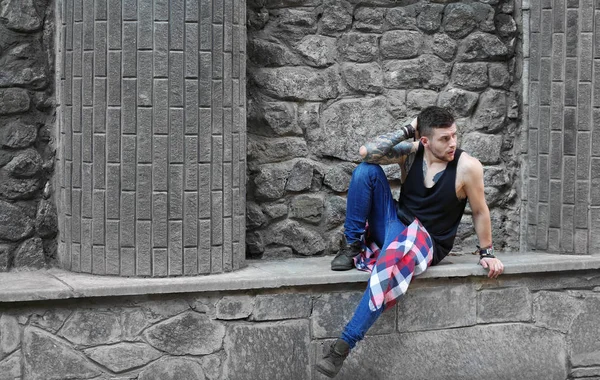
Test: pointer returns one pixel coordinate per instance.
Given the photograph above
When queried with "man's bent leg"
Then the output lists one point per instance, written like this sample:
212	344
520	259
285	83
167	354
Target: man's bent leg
369	198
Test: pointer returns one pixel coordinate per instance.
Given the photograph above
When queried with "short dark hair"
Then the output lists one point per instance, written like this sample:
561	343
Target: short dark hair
433	117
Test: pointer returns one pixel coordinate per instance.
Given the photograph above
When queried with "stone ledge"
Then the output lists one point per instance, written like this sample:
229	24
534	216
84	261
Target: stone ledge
54	284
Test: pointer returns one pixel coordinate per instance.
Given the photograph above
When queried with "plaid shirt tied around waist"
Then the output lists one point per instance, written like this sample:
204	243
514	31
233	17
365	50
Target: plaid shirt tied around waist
409	254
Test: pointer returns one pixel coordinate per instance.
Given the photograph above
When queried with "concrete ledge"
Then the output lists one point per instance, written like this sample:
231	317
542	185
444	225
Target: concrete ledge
57	284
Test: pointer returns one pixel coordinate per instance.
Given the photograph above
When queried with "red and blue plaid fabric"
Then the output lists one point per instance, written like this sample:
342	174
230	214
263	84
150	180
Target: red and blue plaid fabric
408	255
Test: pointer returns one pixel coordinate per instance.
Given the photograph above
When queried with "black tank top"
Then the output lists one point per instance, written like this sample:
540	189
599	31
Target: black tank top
438	208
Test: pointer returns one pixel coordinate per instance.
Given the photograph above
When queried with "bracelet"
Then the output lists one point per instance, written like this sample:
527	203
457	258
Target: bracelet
486	253
409	131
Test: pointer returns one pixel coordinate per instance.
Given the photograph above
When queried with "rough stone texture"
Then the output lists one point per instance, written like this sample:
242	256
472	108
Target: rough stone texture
187	334
555	310
282	306
91	327
504	305
123	356
302	240
13	101
331	312
297	323
436	308
401	44
246	354
391	59
319	51
460	102
466	353
486	148
26	106
10	334
46	219
490	114
15	224
298	83
363	77
10	368
173	369
235	307
345	125
18	135
30	254
27	164
585	346
21	16
48	358
307	207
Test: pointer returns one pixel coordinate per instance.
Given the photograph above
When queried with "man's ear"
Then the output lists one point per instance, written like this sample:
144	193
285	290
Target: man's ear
424	140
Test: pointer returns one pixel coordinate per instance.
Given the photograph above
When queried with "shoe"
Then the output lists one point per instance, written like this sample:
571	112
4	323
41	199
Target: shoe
344	260
332	362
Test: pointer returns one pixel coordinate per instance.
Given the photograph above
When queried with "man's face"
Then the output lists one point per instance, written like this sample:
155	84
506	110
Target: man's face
442	143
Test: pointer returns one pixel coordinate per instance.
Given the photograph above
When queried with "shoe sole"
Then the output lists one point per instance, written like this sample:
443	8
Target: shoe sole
341	267
324	371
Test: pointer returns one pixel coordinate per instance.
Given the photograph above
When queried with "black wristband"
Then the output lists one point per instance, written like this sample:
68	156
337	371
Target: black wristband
487	252
409	131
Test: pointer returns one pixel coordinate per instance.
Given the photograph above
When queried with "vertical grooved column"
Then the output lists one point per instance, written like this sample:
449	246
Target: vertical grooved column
153	134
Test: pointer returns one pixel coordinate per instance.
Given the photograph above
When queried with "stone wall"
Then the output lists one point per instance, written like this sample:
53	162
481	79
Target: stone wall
518	327
28	223
325	76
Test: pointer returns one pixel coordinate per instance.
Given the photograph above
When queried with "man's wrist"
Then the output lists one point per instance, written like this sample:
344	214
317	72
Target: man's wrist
409	131
486	252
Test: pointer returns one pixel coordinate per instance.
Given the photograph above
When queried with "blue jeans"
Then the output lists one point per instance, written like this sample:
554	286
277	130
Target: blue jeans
369	199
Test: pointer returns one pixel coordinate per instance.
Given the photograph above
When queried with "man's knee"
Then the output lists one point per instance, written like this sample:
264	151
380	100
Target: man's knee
366	170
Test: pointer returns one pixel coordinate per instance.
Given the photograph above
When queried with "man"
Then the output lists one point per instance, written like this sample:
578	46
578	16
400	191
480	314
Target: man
399	240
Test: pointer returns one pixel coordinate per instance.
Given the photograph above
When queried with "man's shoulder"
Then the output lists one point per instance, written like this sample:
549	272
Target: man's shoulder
468	166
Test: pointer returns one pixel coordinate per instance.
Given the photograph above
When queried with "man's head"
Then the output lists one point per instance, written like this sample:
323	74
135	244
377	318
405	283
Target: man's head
432	118
437	132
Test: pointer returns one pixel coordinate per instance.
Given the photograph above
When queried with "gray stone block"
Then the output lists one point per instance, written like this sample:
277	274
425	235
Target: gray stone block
175	248
114	79
123	356
217	217
571	68
161	55
582	192
190	219
584	346
572	32
216	258
172	369
465	353
545	81
205	25
504	305
160	163
114	24
30	254
86	245
282	306
176	192
583	156
13	101
217	163
595	182
204	191
159	218
127	219
143	241
112	247
159	259
45	356
568	228
418	309
570	133
144	192
98	213
246	343
555	203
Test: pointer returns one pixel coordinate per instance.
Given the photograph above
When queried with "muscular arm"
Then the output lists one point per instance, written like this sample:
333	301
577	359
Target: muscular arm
474	189
389	148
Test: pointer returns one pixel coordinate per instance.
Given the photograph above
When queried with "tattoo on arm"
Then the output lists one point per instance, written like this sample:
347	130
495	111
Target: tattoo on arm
387	147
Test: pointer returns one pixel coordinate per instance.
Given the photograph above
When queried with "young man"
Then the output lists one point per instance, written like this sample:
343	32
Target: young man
399	240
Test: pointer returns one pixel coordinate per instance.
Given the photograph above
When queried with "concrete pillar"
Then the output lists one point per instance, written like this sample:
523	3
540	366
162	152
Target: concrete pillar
152	137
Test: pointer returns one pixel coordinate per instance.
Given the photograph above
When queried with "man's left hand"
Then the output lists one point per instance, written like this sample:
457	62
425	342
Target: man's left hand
493	265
